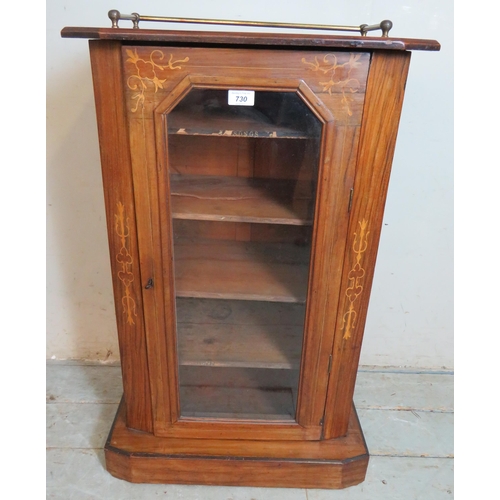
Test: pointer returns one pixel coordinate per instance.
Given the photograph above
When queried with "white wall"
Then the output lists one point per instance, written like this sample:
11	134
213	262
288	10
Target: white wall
410	321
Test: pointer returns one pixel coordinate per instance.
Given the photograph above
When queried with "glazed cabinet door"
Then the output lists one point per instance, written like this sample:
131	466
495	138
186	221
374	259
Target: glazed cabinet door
243	180
243	163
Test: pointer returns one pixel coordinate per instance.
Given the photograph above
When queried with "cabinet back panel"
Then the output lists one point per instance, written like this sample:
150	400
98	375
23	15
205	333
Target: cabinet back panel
241	231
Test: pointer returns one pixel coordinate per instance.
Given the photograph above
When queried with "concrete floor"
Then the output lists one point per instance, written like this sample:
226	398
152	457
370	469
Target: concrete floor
407	419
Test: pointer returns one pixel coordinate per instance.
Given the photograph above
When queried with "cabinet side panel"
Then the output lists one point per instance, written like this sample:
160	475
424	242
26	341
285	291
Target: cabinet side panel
329	244
384	99
336	178
122	231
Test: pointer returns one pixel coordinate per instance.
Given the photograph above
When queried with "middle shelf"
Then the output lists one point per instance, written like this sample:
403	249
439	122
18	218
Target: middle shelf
248	345
224	269
239	334
241	199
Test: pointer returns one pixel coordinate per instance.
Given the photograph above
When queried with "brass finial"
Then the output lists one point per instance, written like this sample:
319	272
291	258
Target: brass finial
114	15
386	26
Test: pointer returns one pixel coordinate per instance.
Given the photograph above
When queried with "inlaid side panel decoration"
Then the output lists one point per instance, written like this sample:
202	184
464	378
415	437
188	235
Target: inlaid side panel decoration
356	276
124	258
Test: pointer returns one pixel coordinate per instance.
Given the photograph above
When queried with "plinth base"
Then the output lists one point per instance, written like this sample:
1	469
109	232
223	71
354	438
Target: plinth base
140	457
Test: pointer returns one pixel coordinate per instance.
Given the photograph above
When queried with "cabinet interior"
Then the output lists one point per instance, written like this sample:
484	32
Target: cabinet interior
242	195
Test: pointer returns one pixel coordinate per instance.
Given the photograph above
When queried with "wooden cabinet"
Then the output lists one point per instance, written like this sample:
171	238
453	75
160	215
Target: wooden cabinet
245	178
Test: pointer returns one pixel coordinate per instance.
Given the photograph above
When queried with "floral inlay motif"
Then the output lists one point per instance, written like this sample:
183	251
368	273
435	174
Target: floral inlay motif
149	72
356	275
125	260
330	67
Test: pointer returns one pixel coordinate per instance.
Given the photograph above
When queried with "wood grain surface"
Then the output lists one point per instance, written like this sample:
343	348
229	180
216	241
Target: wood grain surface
122	231
139	457
384	100
255	39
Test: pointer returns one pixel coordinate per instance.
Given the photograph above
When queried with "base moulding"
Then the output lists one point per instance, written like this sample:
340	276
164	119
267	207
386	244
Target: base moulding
140	457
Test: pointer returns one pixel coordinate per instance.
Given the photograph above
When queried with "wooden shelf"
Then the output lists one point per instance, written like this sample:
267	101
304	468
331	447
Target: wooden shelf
240	199
275	272
237	403
238	393
247	122
237	345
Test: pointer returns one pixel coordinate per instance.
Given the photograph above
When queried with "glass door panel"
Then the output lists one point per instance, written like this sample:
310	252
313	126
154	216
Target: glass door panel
243	186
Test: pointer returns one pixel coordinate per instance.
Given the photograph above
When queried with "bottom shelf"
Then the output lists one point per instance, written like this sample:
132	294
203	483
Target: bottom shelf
238	393
141	457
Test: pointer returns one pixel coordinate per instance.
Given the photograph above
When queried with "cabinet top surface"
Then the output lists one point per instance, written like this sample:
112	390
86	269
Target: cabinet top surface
249	39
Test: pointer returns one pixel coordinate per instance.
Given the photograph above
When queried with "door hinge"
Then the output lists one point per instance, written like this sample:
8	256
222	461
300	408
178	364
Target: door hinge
351	192
330	364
